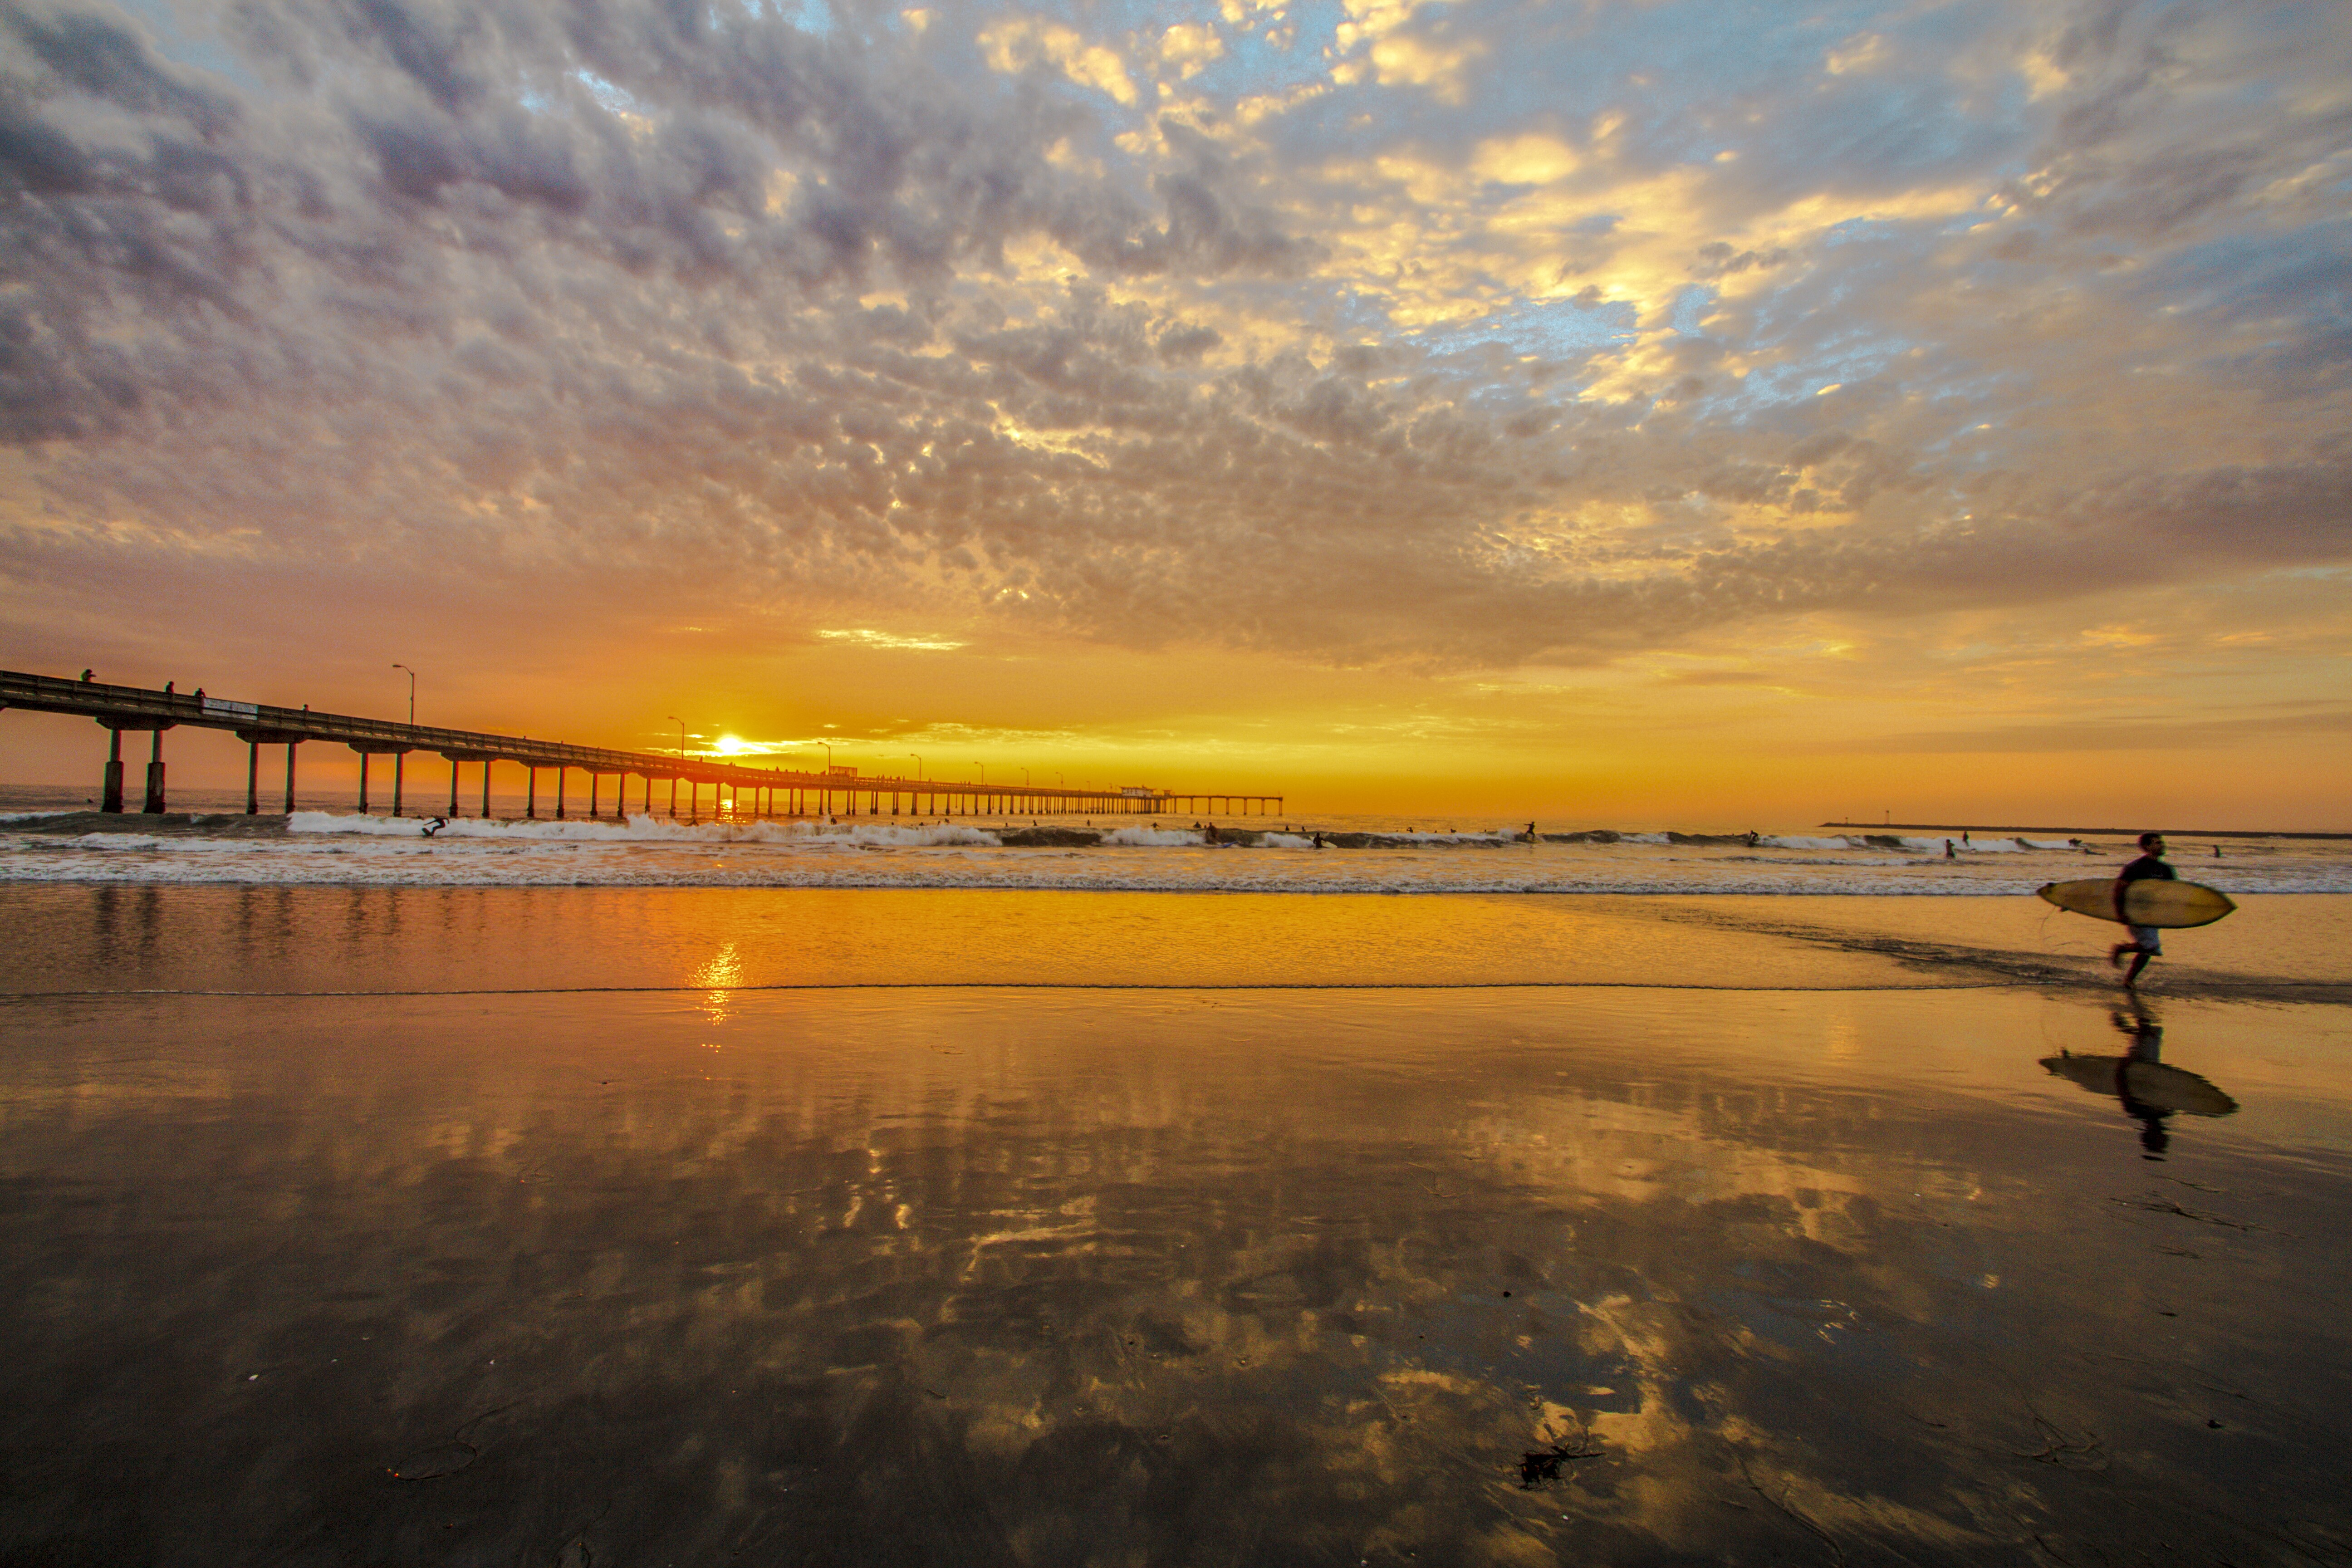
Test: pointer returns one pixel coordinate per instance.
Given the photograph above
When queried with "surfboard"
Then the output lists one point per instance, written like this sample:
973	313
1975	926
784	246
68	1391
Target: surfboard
2147	902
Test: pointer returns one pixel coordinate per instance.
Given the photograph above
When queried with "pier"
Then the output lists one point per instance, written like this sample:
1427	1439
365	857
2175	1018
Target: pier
745	787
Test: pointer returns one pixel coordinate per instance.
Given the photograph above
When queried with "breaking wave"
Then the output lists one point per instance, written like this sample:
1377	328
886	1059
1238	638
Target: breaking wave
339	847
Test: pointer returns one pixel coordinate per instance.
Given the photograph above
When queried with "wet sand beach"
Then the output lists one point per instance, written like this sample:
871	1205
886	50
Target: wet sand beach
570	1226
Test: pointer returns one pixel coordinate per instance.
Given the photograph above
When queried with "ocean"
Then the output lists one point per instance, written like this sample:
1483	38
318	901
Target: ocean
40	842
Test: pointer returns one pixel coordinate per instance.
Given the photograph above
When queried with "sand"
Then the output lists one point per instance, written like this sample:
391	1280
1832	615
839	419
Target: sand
1732	1245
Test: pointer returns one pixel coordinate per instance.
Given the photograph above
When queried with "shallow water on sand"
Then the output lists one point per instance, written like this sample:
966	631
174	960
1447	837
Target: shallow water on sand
1006	1274
68	937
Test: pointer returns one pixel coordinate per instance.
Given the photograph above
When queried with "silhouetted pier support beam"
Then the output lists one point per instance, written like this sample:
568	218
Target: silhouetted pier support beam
112	798
530	791
399	766
366	750
458	760
253	741
558	794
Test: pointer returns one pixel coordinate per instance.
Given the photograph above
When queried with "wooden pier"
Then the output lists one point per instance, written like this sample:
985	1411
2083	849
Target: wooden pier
747	788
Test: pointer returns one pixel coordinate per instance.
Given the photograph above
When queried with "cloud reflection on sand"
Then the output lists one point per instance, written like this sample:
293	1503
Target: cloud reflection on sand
1198	1278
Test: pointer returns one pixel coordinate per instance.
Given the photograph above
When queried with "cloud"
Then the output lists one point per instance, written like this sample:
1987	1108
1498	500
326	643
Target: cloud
1355	347
866	637
2117	734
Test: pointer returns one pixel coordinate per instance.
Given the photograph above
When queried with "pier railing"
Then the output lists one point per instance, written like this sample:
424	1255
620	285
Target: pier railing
776	791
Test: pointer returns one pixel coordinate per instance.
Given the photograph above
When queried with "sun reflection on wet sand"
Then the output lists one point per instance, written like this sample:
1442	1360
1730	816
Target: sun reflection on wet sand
719	978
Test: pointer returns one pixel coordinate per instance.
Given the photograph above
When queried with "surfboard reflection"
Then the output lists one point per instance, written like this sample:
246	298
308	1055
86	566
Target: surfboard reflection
2150	1090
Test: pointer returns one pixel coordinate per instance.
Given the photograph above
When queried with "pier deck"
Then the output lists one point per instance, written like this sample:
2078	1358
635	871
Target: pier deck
782	792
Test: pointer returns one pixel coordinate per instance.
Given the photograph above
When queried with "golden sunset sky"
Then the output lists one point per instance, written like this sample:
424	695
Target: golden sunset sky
1629	414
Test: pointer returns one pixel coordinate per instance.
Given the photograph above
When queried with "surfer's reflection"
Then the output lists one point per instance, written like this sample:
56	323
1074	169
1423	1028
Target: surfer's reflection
2150	1088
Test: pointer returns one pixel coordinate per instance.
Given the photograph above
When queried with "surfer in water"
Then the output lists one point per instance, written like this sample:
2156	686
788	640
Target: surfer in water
2147	941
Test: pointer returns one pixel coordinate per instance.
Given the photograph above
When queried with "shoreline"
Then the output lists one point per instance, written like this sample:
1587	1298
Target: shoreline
113	938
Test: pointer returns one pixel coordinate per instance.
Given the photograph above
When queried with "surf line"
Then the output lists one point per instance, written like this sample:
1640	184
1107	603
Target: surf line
1277	986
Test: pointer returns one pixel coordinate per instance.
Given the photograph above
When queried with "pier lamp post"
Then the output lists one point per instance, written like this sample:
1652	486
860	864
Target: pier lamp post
1024	778
919	765
399	759
983	771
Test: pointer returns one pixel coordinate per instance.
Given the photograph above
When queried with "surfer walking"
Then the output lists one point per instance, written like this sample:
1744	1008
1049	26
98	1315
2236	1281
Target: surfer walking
2147	941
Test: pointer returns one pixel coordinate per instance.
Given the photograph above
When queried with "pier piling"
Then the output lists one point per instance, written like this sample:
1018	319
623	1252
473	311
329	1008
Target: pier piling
155	807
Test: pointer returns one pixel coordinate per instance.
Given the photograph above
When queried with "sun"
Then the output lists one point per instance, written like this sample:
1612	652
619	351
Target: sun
731	746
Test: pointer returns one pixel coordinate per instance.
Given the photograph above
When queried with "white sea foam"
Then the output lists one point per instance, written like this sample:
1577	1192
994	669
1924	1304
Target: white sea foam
1152	838
335	848
642	830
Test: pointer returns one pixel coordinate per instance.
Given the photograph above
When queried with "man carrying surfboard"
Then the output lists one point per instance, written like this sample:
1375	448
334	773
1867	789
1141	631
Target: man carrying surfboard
2147	941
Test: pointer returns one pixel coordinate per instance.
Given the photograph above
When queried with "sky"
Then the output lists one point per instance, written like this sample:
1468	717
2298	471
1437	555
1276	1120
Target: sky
1618	413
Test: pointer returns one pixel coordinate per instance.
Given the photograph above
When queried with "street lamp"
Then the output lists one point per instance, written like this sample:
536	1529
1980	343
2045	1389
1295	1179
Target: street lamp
1024	778
828	754
681	736
919	765
412	694
983	771
1059	780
